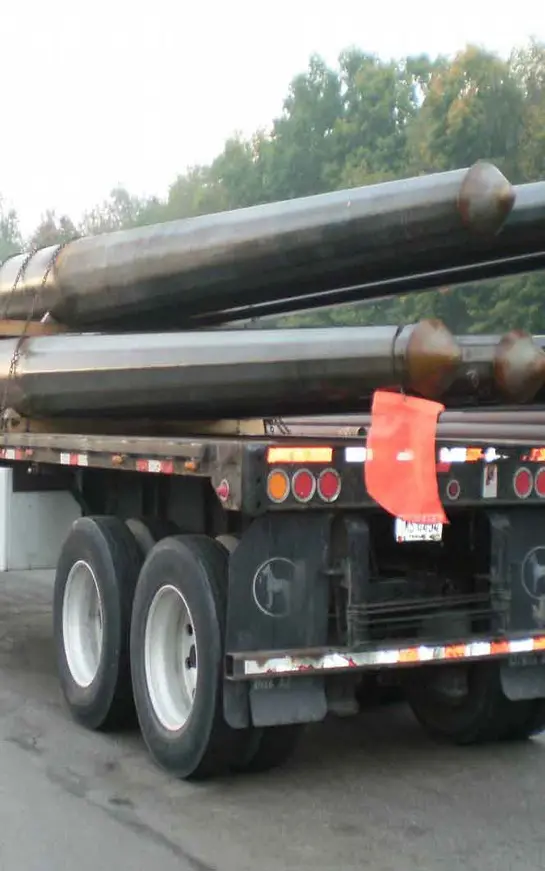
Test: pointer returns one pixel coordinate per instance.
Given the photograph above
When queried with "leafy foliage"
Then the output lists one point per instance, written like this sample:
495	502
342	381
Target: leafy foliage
10	237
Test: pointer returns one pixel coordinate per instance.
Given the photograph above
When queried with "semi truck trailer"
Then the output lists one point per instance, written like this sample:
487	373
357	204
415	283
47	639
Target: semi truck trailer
232	574
224	591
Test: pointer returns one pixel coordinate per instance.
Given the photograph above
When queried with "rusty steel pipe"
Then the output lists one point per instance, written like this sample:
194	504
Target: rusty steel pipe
263	373
517	248
236	374
491	370
356	426
171	275
499	369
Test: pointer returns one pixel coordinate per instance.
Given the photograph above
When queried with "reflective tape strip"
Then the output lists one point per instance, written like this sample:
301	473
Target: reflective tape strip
74	459
337	660
12	454
158	467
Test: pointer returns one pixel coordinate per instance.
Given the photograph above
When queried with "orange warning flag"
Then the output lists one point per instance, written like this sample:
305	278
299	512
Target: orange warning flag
400	469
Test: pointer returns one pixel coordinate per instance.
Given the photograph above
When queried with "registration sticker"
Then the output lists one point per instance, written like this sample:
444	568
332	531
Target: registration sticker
405	531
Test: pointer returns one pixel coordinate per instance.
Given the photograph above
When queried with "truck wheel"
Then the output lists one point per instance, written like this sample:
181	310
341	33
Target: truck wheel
94	587
149	530
465	704
267	748
230	542
177	646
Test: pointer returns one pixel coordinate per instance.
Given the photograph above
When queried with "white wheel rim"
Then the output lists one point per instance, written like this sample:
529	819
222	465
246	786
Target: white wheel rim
82	623
170	658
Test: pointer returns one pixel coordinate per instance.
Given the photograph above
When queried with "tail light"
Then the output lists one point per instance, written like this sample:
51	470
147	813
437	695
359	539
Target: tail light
539	482
303	485
278	485
329	485
523	483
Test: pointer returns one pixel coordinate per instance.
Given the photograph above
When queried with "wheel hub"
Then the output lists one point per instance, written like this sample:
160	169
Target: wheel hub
170	658
82	623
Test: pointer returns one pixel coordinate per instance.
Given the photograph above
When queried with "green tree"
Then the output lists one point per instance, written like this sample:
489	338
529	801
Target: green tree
370	136
294	160
473	109
10	236
52	231
121	211
528	66
196	192
236	173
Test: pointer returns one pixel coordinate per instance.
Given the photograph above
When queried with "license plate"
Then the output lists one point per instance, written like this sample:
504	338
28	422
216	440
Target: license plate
404	531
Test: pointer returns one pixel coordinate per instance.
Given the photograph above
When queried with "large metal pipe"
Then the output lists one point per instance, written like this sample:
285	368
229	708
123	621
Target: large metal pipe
245	374
492	432
250	373
481	423
519	247
491	370
163	276
262	373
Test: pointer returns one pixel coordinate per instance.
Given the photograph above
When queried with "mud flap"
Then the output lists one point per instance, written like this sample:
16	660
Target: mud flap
278	599
518	569
518	594
520	682
283	701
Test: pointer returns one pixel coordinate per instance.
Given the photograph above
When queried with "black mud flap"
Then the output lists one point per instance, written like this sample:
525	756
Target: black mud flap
520	682
518	594
278	599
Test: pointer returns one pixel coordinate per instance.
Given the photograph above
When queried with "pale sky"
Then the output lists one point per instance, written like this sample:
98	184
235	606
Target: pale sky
132	92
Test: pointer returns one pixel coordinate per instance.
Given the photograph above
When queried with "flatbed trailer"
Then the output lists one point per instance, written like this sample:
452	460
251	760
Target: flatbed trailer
227	582
226	589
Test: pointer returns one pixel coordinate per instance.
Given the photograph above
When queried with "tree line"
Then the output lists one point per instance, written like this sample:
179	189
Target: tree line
364	121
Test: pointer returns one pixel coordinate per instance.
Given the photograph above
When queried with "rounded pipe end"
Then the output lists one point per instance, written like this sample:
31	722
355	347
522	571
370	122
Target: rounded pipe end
485	199
519	366
432	357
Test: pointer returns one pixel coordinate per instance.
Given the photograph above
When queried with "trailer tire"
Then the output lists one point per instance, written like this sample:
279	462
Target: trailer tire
98	567
149	530
267	748
177	677
484	714
229	542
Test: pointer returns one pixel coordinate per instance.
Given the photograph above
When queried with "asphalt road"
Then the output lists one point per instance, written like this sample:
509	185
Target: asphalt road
371	793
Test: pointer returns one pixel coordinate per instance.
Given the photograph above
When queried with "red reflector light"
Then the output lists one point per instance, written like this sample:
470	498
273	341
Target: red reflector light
539	482
453	489
523	483
329	485
303	485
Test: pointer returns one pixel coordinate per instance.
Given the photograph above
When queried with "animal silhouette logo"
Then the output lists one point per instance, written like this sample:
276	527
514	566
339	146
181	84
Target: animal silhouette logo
273	587
533	582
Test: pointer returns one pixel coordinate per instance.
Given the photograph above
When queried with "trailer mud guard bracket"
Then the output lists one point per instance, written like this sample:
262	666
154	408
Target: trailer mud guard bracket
278	600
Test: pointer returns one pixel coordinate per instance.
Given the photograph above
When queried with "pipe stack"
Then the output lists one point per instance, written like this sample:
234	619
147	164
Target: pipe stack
129	305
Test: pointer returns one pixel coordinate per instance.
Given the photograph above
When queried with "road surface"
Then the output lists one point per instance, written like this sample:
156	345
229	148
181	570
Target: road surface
371	793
